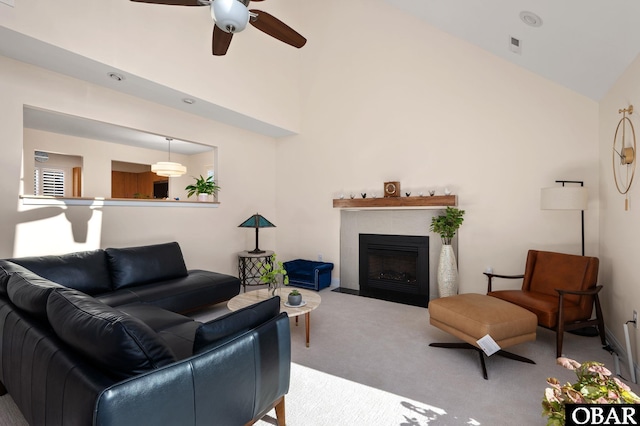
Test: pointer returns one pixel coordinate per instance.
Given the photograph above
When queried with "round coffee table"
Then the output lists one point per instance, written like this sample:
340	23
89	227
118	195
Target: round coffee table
310	299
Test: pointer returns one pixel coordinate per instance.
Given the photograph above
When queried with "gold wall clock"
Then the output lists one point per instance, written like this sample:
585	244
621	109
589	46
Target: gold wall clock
624	154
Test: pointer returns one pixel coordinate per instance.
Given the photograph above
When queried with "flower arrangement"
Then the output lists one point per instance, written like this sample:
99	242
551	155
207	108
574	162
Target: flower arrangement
594	386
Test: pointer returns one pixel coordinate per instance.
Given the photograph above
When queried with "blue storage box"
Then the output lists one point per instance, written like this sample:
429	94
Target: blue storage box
309	274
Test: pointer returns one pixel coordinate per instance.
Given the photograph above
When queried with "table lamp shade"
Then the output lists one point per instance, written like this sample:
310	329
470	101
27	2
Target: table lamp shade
256	221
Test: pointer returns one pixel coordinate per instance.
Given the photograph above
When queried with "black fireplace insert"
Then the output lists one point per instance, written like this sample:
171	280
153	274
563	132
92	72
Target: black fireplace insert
395	268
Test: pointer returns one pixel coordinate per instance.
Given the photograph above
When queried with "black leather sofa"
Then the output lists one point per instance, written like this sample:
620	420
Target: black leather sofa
99	338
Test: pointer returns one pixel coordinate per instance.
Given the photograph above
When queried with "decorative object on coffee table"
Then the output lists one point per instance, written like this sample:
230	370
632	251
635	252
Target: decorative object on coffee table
273	274
311	299
294	298
256	221
447	226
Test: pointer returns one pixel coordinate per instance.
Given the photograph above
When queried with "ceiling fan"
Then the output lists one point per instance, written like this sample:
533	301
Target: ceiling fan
232	16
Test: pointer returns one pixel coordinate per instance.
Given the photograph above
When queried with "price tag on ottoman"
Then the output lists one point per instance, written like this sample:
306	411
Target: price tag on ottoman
488	345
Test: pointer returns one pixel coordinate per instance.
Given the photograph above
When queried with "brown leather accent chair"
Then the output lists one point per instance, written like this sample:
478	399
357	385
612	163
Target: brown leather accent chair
561	289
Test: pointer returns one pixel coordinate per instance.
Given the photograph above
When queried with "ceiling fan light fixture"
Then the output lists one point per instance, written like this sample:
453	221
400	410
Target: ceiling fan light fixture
230	16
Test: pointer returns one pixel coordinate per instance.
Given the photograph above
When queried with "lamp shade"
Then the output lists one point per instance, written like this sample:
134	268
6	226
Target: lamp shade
256	221
231	16
168	169
564	198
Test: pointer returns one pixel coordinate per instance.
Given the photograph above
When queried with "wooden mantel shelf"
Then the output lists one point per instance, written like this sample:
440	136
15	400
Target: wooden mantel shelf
428	201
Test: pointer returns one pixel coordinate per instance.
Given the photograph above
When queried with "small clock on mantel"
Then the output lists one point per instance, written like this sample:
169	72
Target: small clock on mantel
392	189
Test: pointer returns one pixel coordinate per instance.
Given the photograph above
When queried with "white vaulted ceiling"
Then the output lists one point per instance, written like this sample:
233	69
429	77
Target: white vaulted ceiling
584	45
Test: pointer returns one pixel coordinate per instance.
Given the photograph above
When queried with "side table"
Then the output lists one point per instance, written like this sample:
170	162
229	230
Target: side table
249	267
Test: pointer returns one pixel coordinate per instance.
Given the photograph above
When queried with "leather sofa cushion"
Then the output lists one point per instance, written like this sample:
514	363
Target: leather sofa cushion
86	271
117	342
177	331
141	265
30	292
199	288
6	269
240	321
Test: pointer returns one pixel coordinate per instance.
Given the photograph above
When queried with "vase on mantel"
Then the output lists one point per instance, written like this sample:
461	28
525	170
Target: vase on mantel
447	272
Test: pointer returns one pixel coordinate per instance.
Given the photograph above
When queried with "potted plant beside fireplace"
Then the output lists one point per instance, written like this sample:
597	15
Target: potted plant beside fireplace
446	226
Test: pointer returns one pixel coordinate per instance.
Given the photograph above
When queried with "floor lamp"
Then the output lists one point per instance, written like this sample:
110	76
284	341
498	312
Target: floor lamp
566	198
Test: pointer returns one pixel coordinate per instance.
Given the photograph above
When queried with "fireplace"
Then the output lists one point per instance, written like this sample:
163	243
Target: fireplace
395	268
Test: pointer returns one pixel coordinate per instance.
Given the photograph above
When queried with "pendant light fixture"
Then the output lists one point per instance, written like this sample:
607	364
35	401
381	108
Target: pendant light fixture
168	168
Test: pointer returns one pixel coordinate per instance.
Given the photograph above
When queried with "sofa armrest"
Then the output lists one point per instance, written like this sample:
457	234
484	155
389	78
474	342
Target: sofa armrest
232	382
324	267
490	276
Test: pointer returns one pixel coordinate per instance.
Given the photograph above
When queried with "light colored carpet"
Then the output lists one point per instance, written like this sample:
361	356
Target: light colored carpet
369	363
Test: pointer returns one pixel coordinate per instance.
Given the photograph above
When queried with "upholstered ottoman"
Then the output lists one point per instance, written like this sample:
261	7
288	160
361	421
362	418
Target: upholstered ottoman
472	316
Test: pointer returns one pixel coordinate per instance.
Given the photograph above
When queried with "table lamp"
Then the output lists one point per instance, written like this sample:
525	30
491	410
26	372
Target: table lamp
256	221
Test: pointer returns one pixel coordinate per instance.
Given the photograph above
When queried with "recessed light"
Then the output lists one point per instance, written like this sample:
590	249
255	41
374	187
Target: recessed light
531	19
189	101
115	76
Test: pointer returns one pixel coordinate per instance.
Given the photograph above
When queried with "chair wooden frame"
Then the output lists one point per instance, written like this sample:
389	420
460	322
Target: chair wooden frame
280	413
561	324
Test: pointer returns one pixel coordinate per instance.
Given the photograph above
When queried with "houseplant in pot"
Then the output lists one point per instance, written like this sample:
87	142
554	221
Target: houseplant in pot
294	298
447	226
273	274
203	187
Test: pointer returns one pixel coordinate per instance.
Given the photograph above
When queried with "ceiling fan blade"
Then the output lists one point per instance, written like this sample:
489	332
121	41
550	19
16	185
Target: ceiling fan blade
221	41
173	2
271	25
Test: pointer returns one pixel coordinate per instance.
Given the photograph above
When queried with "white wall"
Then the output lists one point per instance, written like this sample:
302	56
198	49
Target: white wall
209	237
429	110
619	229
171	45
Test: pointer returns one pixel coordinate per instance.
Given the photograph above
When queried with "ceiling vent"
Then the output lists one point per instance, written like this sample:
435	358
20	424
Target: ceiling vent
515	45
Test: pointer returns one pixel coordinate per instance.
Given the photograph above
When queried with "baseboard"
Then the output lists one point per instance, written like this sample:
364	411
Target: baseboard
621	352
